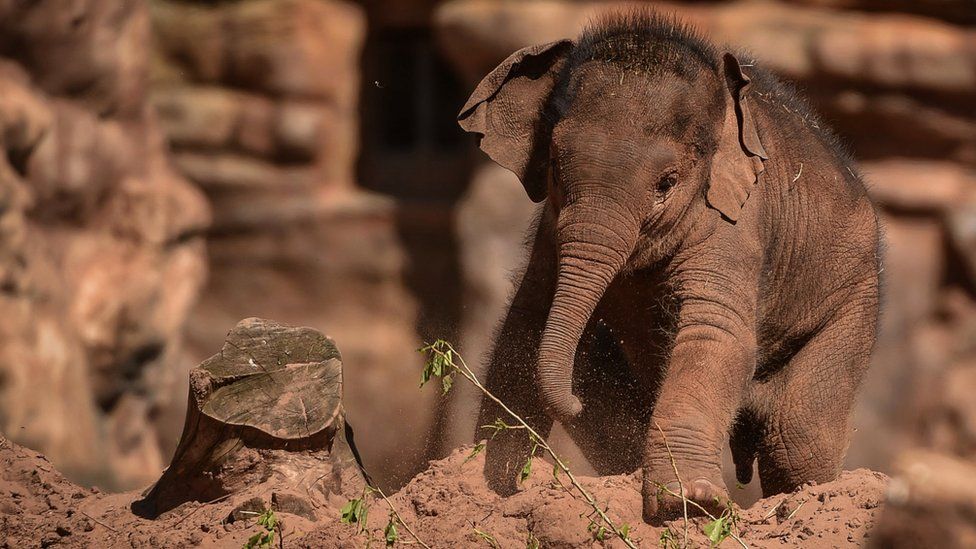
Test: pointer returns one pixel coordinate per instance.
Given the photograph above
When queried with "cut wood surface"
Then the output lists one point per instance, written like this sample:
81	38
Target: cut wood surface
286	382
267	406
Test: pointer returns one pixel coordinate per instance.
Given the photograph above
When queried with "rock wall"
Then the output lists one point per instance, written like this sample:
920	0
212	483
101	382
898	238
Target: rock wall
896	80
101	255
259	101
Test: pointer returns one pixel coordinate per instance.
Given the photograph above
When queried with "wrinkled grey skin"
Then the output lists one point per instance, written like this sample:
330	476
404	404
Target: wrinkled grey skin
704	267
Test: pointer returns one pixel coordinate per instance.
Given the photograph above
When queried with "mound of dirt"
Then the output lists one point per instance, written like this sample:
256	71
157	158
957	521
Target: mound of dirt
39	507
447	505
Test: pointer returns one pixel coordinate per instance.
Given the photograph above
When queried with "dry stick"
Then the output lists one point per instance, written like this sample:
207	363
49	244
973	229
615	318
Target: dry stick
793	512
772	511
681	486
469	375
99	522
201	506
797	176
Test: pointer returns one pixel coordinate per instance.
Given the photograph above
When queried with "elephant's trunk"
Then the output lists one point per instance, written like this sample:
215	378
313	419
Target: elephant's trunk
590	256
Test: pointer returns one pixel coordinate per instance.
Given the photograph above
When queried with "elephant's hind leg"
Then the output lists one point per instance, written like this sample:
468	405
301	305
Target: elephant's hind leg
616	410
806	409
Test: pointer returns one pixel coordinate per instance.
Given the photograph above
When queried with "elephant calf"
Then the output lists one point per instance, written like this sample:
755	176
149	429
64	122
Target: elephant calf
704	267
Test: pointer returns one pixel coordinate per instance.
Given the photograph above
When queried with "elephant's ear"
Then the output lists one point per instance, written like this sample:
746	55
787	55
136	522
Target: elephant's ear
738	161
506	111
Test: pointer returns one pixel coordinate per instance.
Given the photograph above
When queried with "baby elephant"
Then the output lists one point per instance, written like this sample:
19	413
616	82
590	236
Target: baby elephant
704	267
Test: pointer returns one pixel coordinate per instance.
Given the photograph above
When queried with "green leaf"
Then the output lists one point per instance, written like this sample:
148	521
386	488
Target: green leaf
718	529
355	512
489	539
601	533
350	511
526	470
269	520
625	531
532	542
478	448
496	427
390	534
439	363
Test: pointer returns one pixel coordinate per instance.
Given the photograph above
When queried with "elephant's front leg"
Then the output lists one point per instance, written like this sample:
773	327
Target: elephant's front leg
712	362
511	368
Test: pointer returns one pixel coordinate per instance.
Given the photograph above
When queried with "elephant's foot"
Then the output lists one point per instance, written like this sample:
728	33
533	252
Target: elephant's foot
663	501
504	458
500	478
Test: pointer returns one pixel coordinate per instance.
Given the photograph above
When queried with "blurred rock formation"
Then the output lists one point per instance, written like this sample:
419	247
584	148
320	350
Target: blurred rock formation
101	248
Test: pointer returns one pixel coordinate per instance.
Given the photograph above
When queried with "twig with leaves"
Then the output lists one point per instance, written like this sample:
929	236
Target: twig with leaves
443	361
356	511
719	528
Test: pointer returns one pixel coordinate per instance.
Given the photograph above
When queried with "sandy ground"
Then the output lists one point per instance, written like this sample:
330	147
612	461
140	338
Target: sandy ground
445	505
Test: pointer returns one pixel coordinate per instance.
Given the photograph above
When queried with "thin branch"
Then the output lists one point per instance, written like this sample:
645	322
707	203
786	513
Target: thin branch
797	176
350	440
100	522
772	511
201	506
705	511
681	486
793	512
399	518
538	440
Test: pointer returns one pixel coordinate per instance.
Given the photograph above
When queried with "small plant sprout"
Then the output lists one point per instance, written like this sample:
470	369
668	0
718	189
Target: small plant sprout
390	534
532	542
268	521
443	360
598	531
722	527
488	538
718	529
356	511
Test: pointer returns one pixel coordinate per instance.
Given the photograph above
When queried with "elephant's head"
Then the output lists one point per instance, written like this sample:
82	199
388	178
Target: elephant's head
632	144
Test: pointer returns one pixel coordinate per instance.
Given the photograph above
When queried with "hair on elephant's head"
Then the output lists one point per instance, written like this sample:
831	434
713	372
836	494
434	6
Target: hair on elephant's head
633	133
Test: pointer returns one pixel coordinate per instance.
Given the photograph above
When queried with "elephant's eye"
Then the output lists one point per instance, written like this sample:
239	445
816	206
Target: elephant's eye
667	182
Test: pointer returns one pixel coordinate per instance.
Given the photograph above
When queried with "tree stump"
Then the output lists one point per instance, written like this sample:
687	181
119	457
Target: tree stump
264	412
